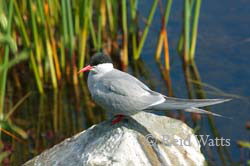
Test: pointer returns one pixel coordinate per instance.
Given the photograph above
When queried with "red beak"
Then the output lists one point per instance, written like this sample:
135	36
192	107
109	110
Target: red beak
87	68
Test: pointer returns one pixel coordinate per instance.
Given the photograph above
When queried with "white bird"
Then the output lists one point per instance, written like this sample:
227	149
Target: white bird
122	94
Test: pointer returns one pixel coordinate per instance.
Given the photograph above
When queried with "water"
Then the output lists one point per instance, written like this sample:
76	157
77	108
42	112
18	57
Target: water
222	58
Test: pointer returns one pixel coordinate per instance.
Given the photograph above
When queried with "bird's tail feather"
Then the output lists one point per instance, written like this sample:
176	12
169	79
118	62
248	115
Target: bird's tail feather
171	103
201	111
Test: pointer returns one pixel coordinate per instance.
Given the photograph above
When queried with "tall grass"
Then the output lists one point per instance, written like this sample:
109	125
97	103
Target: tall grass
5	60
27	43
125	34
146	30
188	38
163	32
55	38
6	126
195	28
60	34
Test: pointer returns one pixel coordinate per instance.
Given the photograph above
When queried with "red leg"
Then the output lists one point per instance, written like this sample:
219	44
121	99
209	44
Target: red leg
117	119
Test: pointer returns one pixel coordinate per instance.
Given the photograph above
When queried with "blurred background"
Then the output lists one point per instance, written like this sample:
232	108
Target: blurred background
186	49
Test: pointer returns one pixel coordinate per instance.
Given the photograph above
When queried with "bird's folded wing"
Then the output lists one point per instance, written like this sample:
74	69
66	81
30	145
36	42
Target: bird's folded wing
125	89
134	91
124	84
177	104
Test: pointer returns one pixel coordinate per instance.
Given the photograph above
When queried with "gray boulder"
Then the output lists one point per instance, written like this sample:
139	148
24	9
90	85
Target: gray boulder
142	140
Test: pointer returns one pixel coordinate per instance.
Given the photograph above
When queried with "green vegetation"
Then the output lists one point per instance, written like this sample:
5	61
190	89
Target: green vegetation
59	35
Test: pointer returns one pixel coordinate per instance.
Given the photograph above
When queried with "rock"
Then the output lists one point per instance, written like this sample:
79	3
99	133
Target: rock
142	140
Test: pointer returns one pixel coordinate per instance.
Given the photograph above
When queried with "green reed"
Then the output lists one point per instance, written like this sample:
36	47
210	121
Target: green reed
195	28
5	61
56	37
84	32
133	29
125	33
188	38
27	44
34	30
111	21
146	30
60	34
6	125
165	19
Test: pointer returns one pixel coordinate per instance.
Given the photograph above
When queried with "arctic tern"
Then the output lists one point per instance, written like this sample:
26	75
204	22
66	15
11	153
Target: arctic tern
121	94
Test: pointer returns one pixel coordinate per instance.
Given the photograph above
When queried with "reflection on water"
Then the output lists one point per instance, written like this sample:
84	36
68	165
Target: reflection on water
51	118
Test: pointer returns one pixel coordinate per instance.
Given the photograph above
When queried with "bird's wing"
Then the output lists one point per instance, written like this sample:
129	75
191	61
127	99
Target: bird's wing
125	88
123	83
117	84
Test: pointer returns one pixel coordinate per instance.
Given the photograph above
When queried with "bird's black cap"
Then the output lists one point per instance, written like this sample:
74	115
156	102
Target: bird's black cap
99	58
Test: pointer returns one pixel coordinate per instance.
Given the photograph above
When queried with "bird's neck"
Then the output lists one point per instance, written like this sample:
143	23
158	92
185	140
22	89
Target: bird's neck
104	68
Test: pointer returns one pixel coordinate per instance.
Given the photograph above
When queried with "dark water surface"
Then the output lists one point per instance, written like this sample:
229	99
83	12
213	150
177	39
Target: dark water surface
222	58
